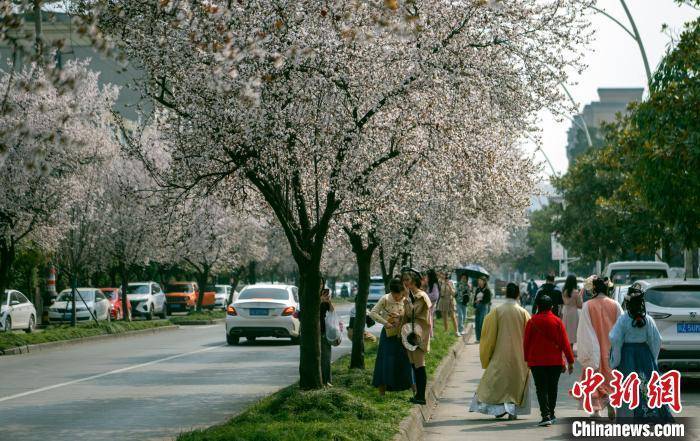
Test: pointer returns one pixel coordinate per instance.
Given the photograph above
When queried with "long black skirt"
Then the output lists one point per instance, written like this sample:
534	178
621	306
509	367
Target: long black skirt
392	368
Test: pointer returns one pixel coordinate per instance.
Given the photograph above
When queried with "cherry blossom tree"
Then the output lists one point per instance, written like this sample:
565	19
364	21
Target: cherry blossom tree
293	97
49	137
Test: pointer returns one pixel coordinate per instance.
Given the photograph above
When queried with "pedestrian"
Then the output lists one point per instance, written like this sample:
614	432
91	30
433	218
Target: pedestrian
572	304
392	369
433	292
504	389
415	333
447	303
545	344
531	291
550	289
635	344
482	305
326	348
462	301
598	317
369	322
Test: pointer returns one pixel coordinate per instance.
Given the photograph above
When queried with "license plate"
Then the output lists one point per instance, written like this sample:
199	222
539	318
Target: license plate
259	311
688	328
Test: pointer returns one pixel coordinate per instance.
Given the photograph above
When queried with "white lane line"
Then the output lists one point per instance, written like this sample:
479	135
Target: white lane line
104	374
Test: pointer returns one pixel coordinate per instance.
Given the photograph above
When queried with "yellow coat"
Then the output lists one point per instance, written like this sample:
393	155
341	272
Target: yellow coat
501	353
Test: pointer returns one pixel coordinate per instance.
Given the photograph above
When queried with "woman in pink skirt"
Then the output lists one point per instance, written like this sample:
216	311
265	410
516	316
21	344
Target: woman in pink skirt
572	304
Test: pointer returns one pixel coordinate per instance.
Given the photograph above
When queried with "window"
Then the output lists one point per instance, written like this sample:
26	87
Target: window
21	297
674	296
178	287
156	288
137	289
15	297
295	293
264	293
629	276
99	296
67	296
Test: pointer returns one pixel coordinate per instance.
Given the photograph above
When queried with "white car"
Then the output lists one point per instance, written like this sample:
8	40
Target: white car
223	295
264	310
624	274
16	311
147	299
675	306
88	302
376	291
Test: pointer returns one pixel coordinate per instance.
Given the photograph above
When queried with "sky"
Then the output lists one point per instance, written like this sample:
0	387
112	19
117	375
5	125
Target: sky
613	60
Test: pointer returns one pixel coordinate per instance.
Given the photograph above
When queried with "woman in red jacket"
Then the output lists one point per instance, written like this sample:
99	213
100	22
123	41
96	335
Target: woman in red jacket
546	344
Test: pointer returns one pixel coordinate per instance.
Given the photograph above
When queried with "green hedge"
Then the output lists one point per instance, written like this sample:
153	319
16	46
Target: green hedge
66	332
350	410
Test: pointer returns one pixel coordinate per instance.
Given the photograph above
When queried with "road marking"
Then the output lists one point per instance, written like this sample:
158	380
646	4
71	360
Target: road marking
105	374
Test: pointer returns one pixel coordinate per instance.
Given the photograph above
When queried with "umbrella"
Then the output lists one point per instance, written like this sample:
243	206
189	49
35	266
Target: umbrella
472	270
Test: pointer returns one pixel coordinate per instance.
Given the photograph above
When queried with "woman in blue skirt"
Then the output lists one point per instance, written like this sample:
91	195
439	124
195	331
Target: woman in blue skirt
392	370
635	343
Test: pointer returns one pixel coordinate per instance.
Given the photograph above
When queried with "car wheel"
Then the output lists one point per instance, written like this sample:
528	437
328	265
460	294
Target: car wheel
8	324
250	339
232	339
32	324
149	314
164	313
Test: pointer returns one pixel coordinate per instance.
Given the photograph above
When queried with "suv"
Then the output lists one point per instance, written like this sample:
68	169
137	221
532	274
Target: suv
181	296
623	274
147	299
376	291
675	306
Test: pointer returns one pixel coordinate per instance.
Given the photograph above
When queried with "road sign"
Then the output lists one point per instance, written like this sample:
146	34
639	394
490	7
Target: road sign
557	249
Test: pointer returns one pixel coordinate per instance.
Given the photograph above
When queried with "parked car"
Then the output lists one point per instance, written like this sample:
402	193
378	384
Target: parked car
181	296
376	291
675	306
624	274
264	311
114	296
224	295
147	299
209	300
89	302
16	311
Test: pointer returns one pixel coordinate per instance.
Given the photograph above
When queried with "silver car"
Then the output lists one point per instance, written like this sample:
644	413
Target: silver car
675	306
89	302
16	311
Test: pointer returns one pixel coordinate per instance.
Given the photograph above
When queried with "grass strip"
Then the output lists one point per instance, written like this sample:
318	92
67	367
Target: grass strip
203	316
350	410
66	332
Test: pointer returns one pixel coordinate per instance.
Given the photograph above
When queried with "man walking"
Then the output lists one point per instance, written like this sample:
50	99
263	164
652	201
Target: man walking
549	289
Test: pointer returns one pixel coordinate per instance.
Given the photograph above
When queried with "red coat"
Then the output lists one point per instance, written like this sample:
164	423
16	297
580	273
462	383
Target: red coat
545	341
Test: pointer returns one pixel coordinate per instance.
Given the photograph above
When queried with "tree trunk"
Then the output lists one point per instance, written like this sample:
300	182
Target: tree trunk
363	258
252	275
7	258
202	280
387	270
310	342
124	276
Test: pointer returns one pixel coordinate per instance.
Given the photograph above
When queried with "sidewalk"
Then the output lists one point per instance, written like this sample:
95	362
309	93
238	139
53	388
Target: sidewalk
452	420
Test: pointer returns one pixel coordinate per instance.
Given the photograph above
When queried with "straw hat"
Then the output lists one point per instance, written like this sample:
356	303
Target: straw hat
411	336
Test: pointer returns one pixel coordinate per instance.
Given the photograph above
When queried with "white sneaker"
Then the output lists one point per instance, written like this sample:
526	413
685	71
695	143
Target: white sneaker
459	334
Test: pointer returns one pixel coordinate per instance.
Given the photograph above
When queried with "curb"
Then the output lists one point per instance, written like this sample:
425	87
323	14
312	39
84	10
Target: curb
411	427
55	344
199	322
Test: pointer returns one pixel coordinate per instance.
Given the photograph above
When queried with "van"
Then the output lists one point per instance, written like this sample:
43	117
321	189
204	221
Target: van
376	291
624	274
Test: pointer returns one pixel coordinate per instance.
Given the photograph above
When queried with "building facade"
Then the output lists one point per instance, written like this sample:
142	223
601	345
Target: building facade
611	102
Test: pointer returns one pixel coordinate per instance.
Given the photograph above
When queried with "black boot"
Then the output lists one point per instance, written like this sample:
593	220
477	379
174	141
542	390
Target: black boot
421	382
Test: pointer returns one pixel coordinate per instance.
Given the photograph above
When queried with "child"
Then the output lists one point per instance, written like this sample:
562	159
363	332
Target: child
545	341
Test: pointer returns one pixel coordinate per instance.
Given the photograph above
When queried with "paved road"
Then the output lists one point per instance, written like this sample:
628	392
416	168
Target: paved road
148	387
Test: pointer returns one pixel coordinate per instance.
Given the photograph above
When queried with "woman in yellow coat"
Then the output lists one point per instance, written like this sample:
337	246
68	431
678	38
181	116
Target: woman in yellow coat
503	389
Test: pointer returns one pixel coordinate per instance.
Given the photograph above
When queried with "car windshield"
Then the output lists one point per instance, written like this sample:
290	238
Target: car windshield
111	294
629	276
220	289
67	296
674	296
264	293
137	289
177	287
